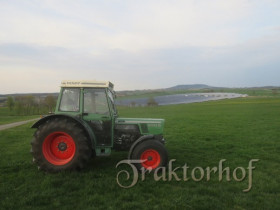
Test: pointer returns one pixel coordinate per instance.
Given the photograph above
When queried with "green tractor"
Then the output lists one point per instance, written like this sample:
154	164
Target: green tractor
86	124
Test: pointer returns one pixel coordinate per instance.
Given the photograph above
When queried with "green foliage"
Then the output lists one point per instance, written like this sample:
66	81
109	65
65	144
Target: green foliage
198	134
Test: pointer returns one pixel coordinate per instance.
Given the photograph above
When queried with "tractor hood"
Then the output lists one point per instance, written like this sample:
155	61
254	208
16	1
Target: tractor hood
146	125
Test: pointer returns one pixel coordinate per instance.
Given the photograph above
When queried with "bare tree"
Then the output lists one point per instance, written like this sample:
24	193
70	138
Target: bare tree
274	91
152	102
10	103
50	102
24	104
133	104
28	103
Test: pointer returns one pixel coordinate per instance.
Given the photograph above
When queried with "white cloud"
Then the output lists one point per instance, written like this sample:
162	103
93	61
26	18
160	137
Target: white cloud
129	26
137	44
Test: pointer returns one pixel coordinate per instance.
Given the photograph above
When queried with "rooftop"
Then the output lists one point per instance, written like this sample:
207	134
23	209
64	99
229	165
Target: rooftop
86	83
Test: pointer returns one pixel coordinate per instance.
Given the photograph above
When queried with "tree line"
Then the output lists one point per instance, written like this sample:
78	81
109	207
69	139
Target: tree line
30	105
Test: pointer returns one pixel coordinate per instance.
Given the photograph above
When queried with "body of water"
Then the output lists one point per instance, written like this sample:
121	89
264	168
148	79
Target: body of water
180	98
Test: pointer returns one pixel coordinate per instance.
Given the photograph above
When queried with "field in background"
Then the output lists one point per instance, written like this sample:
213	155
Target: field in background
199	134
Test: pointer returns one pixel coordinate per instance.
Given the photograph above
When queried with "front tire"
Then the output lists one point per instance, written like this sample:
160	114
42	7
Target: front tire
152	152
60	144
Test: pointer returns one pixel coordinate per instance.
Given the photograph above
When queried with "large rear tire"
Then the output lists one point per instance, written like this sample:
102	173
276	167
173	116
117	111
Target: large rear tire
60	144
152	152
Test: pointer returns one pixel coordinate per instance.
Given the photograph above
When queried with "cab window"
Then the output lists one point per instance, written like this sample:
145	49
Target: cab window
95	101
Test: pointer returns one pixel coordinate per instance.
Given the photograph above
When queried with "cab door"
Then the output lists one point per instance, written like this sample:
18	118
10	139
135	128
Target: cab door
97	114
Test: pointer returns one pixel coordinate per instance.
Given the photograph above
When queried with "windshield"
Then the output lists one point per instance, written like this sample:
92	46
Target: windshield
70	100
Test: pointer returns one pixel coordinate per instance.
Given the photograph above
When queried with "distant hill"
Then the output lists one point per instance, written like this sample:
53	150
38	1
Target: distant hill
191	87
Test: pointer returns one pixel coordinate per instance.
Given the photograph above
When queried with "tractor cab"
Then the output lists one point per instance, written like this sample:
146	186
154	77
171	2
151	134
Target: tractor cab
93	102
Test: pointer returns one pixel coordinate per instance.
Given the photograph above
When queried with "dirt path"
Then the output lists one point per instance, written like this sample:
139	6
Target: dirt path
11	125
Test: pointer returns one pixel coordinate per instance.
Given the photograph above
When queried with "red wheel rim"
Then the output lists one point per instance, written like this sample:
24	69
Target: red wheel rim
59	148
151	157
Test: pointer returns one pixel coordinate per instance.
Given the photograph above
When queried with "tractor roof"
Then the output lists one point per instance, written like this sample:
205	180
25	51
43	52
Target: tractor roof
86	83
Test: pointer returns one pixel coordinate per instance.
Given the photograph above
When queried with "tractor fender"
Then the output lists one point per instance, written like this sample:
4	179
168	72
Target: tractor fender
138	141
85	126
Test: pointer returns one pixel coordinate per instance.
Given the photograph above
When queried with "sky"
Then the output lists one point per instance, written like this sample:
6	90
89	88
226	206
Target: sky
139	44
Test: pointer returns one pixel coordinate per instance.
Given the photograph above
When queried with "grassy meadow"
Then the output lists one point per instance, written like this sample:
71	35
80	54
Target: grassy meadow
198	134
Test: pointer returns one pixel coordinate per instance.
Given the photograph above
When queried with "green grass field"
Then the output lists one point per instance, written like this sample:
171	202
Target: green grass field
198	134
